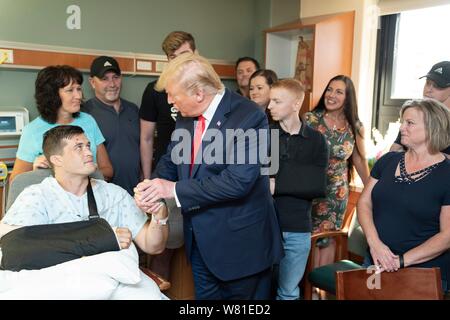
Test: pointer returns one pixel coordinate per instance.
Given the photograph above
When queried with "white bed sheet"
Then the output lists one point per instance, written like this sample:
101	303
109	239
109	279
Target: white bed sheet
110	275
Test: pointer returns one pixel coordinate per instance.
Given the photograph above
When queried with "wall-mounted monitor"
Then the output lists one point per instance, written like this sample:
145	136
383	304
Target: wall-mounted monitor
12	120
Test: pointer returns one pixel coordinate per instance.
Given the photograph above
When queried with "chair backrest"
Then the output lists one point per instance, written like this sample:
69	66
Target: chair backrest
350	210
404	284
357	242
29	178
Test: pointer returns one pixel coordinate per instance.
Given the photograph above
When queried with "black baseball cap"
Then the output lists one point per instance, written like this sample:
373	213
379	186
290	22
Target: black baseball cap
440	73
102	64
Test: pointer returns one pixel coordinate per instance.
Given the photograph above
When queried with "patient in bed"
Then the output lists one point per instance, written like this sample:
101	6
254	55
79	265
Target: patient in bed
62	198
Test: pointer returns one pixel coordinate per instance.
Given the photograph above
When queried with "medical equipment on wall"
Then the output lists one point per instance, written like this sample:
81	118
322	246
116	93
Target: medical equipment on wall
12	120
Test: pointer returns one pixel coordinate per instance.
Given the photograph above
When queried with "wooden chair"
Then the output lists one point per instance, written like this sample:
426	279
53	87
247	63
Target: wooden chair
162	283
13	189
404	284
357	243
340	237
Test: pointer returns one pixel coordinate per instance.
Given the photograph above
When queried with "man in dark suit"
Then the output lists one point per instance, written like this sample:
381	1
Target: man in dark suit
231	231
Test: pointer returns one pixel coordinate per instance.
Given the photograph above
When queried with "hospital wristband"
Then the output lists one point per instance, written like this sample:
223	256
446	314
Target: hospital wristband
161	222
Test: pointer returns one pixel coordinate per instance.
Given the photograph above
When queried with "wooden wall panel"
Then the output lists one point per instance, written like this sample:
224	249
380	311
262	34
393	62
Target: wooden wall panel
37	59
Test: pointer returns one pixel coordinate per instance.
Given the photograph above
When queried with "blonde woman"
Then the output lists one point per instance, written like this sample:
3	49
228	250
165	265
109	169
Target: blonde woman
404	209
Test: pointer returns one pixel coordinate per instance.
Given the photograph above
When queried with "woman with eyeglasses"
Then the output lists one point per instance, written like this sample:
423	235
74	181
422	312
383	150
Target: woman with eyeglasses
58	95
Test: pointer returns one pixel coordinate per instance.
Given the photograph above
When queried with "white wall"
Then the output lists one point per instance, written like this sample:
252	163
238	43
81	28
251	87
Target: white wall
396	6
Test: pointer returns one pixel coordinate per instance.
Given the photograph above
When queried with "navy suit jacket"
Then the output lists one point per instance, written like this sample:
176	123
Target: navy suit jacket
228	207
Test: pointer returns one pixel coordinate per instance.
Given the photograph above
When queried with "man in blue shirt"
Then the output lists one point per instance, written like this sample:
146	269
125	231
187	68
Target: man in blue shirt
118	120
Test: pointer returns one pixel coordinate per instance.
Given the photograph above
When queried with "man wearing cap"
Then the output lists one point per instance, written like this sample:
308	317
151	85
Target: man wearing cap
118	120
437	86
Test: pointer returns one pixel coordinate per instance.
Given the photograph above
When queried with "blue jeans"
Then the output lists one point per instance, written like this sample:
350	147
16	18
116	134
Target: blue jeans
292	266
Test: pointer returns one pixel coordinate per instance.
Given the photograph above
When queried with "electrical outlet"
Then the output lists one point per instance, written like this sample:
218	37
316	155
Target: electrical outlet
9	55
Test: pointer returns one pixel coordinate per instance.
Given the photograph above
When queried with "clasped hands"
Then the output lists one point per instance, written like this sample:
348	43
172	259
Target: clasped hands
148	195
383	258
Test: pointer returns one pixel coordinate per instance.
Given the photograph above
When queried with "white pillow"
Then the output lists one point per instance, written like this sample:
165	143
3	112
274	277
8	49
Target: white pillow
146	289
93	277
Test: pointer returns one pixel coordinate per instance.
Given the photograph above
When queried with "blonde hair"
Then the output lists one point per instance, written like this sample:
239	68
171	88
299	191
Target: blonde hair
292	85
192	72
175	40
436	119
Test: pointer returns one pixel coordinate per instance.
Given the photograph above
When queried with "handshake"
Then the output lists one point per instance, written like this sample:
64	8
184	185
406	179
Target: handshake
150	196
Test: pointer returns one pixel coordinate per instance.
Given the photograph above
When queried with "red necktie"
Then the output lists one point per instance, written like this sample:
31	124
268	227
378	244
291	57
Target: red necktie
197	142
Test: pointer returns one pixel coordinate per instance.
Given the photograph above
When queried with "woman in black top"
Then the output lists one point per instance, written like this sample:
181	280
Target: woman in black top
404	210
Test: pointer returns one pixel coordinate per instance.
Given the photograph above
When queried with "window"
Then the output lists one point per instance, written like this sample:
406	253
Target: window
408	45
422	40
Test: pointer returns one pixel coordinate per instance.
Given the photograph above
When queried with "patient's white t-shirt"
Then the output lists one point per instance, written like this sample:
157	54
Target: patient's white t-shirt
48	203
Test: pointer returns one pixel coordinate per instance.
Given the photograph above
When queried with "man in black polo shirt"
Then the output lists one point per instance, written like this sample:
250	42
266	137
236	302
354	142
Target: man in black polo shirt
302	176
158	119
118	120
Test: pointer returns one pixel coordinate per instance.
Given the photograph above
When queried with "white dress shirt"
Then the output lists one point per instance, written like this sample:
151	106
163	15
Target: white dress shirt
208	115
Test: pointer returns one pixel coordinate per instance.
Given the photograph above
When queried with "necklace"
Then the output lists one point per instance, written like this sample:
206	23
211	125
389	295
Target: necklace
330	116
409	178
334	120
